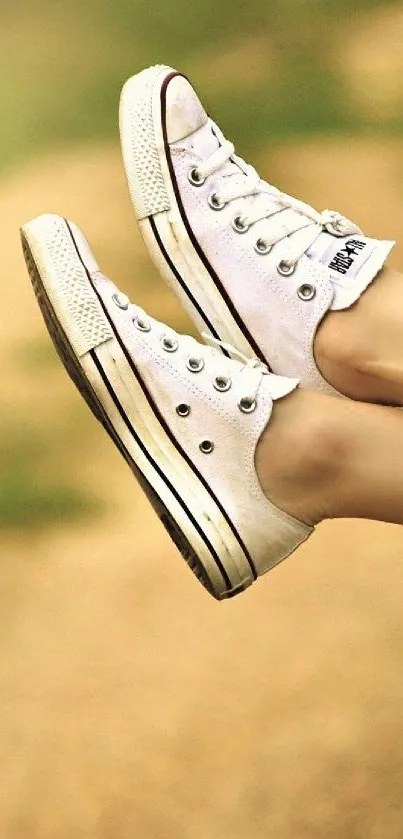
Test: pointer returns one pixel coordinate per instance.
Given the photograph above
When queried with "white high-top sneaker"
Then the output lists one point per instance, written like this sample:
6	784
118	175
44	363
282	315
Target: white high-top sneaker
253	266
185	418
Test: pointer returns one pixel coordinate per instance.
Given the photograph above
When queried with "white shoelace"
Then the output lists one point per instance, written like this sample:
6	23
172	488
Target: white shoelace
250	372
250	375
270	203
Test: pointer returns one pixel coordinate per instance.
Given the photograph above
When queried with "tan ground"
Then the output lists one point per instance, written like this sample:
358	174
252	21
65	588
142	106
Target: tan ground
368	53
132	705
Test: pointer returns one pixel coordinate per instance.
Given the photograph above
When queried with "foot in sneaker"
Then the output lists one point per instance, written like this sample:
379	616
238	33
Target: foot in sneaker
253	266
185	418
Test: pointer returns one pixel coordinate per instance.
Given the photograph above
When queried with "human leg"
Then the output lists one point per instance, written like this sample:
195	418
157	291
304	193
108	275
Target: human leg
323	457
239	464
360	350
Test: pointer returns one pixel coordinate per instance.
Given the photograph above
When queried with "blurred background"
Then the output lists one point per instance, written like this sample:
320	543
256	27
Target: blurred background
131	704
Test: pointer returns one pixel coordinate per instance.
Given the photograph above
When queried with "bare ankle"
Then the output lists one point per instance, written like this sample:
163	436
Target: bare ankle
346	353
300	456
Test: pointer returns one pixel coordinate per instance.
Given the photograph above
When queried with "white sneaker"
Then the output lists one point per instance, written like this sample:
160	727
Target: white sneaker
185	418
254	267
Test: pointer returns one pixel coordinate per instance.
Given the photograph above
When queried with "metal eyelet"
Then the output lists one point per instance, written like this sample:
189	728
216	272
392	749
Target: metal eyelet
195	365
262	247
285	269
306	291
141	325
222	383
215	202
183	410
121	300
194	177
206	446
169	344
239	225
246	405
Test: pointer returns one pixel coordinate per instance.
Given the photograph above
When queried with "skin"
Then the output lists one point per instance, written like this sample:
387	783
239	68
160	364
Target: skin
360	350
325	457
322	457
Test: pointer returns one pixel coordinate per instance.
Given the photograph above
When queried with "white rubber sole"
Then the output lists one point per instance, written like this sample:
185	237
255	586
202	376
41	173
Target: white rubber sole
94	357
158	213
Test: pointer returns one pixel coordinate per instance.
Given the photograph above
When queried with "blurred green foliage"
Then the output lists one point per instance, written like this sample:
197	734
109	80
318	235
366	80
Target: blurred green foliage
26	505
64	64
269	70
30	498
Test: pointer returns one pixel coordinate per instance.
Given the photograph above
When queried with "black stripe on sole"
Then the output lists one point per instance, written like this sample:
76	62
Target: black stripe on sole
157	469
182	282
79	378
162	420
199	250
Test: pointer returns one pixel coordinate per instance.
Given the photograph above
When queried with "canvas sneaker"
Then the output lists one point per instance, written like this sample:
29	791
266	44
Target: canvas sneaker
185	418
253	266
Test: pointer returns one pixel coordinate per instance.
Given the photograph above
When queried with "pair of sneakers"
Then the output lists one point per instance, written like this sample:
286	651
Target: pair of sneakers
257	270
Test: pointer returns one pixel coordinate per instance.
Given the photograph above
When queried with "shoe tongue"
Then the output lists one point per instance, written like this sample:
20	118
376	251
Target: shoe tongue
203	141
343	256
353	262
184	112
